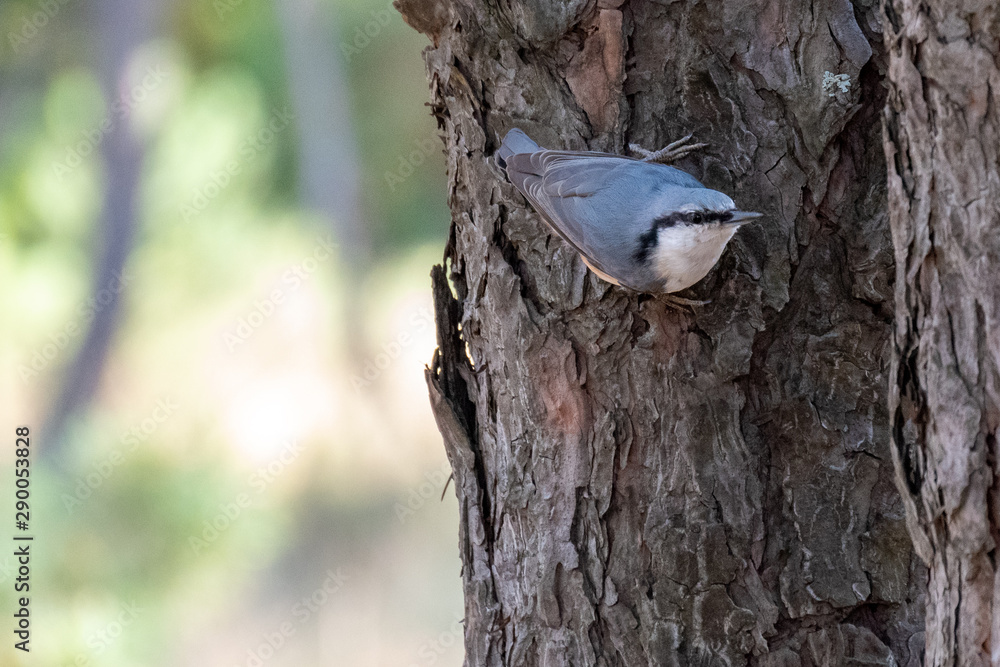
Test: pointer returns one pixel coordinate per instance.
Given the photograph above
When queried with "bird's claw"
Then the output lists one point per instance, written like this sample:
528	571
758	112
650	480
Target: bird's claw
670	153
680	303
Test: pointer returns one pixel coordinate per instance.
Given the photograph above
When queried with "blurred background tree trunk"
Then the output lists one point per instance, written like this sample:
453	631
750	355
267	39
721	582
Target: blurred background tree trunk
942	142
639	485
123	26
329	166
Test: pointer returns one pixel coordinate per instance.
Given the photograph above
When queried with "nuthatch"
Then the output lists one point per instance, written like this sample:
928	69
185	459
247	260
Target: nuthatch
635	223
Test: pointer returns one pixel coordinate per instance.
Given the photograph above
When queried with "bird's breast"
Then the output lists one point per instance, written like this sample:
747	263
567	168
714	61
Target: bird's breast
684	254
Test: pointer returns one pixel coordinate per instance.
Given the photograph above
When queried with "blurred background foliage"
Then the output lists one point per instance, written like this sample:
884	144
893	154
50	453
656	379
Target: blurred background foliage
254	477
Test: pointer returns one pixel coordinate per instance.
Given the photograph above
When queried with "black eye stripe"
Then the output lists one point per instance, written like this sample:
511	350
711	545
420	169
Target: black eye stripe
647	240
692	218
669	220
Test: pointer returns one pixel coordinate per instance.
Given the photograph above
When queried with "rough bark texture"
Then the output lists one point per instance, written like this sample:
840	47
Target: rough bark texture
640	485
942	141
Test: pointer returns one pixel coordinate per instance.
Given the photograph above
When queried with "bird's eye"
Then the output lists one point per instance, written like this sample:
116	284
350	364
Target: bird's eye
696	217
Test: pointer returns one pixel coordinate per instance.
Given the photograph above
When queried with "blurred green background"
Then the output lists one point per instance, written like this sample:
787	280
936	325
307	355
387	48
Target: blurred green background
234	461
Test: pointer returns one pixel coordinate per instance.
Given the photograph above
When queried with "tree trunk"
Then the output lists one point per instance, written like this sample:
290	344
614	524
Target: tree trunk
942	142
121	27
644	486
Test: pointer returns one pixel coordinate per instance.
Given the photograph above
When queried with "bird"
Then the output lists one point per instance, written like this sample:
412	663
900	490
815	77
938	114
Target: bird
636	223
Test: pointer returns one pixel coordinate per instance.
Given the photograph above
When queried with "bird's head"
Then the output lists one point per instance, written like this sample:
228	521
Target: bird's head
689	229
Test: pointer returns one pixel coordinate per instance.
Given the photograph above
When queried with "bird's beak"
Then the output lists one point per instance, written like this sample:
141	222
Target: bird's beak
740	217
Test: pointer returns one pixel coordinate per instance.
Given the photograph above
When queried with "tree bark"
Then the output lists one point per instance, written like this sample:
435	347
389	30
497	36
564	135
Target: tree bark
942	137
644	486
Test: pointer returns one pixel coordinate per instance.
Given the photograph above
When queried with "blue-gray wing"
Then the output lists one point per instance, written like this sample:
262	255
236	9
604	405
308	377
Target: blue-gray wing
598	202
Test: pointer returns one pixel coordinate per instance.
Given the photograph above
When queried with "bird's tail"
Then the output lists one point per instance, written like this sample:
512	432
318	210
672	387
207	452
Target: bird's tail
515	142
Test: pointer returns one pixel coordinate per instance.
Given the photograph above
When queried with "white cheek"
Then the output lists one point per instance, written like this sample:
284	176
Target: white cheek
685	254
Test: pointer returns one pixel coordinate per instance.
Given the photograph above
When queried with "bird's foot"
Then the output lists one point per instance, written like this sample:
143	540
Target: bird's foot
680	303
671	153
